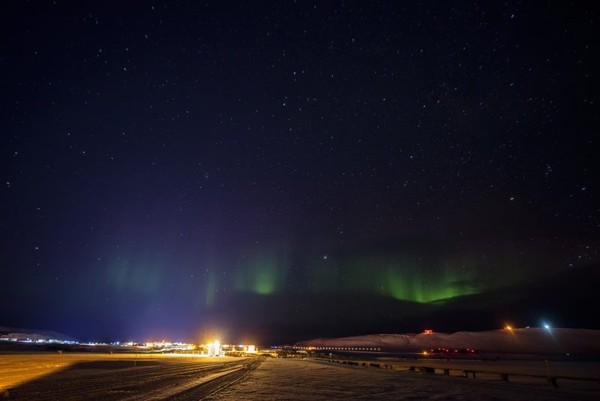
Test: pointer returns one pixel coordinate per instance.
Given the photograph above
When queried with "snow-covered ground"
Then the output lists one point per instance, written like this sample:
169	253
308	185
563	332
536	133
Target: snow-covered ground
39	376
18	369
290	379
94	376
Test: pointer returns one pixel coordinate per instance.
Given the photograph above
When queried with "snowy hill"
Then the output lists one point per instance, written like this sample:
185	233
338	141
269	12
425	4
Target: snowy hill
527	340
26	335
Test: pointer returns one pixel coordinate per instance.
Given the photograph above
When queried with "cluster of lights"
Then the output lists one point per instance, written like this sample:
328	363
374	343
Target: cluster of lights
313	348
168	345
450	351
215	348
27	340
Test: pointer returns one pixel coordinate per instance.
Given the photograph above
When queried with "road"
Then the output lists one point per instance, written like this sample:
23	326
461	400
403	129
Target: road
131	378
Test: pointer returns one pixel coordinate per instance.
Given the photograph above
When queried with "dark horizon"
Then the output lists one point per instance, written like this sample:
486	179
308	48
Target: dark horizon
563	300
183	168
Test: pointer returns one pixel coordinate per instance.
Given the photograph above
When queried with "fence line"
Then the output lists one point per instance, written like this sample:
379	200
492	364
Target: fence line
552	380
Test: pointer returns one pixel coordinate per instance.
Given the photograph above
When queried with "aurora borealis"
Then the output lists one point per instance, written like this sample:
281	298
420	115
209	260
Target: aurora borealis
397	278
279	171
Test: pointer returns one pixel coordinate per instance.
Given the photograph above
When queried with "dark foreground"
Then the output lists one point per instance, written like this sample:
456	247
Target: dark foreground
120	377
161	377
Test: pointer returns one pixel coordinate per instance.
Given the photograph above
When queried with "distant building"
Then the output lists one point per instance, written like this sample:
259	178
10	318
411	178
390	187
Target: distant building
214	349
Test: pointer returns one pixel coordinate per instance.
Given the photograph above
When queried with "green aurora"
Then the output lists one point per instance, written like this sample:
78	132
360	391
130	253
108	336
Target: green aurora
262	273
398	278
274	270
404	278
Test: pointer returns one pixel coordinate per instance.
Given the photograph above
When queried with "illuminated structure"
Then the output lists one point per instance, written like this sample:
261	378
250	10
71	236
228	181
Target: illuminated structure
214	349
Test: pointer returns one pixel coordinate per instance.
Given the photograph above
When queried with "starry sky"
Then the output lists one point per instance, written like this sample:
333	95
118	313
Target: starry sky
273	171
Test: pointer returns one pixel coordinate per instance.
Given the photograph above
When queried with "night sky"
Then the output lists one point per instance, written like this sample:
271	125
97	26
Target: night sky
273	171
